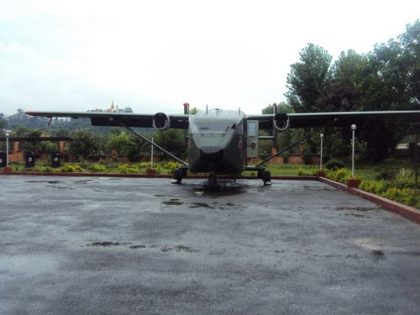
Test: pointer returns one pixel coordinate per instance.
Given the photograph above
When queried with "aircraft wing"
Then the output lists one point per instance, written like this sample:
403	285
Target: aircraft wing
330	119
119	119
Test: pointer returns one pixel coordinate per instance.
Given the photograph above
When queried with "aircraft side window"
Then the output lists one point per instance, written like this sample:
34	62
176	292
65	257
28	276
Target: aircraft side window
252	129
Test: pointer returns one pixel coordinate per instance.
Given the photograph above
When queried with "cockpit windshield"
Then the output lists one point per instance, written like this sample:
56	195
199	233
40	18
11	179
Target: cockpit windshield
212	126
216	122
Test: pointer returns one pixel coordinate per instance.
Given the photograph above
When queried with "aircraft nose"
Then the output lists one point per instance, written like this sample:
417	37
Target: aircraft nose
211	154
210	149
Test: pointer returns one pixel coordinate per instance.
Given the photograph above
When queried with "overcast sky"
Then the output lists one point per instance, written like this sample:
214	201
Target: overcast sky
156	55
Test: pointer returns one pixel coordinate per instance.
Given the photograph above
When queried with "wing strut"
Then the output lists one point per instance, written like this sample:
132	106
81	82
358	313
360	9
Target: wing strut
306	135
153	143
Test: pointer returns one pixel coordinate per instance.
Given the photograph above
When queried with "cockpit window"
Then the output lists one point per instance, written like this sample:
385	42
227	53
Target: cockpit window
212	126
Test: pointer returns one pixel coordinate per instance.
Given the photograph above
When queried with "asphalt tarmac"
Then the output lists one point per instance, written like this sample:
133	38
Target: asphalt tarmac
144	246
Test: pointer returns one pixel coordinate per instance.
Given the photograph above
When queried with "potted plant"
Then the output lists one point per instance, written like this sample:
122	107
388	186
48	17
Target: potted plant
151	172
353	182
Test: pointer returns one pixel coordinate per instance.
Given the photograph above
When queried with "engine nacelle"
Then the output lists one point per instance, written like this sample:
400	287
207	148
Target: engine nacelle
281	121
161	121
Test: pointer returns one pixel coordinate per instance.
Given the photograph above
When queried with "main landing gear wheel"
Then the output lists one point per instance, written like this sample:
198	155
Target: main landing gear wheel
179	174
265	176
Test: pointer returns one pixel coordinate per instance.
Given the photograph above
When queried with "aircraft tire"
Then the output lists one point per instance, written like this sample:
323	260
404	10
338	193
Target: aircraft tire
266	177
178	176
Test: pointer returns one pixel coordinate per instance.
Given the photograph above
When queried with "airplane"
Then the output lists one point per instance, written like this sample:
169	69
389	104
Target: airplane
220	141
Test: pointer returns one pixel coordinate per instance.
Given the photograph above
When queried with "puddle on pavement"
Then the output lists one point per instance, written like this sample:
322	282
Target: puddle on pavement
104	244
378	254
200	205
83	181
179	248
361	209
44	181
173	202
31	264
137	246
357	215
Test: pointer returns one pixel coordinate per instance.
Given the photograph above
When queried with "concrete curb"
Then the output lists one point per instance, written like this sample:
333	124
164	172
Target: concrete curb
408	212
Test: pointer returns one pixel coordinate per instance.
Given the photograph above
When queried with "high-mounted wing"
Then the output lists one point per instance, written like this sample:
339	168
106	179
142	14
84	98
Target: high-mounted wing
322	119
158	120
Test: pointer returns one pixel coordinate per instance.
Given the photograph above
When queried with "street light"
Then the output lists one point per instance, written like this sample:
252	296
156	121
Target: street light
353	142
7	133
320	153
151	154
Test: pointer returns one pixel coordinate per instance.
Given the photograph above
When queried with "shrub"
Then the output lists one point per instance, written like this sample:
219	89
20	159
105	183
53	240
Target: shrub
334	164
339	175
171	166
404	178
71	168
386	174
404	195
96	167
128	168
373	186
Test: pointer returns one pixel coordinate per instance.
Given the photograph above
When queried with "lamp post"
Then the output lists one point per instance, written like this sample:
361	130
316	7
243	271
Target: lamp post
151	154
320	153
353	142
7	133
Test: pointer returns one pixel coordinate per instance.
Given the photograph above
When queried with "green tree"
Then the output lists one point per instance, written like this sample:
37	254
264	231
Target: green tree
85	144
410	41
3	123
119	142
342	92
125	145
172	140
307	79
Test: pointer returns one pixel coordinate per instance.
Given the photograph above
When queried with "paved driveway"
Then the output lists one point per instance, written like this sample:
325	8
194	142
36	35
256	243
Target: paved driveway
145	246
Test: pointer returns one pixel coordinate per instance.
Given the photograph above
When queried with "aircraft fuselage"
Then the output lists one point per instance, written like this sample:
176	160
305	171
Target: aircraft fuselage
217	142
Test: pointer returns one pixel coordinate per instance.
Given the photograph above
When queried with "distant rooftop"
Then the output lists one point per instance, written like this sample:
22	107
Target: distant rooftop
112	109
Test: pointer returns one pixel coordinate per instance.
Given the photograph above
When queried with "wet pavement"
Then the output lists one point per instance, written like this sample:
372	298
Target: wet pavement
145	246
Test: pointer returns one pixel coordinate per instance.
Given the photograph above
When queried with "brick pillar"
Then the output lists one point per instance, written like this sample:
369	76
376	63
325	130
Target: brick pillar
61	147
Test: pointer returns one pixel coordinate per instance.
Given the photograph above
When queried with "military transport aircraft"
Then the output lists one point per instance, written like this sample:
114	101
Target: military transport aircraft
220	141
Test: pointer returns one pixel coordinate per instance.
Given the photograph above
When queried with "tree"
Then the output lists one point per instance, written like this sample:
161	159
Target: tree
85	144
172	140
307	79
342	92
3	123
120	143
125	145
410	41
